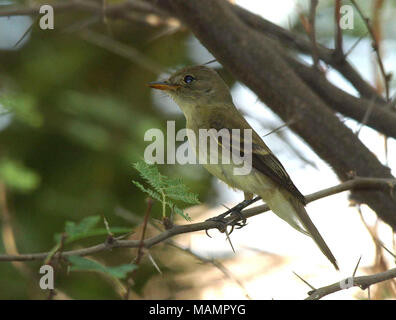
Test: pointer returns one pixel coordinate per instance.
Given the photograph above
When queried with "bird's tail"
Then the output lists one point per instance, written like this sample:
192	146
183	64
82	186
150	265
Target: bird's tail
290	209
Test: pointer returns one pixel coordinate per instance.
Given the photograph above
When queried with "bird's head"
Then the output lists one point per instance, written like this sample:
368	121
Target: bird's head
195	86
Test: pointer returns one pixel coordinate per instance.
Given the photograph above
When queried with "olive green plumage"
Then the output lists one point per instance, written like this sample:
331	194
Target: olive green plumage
206	103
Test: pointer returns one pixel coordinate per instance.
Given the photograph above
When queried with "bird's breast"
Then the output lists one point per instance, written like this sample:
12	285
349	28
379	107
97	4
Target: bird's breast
221	164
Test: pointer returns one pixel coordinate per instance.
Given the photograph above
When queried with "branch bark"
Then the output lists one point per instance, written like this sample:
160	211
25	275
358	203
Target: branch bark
298	42
355	184
363	282
381	119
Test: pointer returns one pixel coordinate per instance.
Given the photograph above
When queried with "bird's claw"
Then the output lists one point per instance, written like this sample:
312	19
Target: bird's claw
223	223
234	223
240	220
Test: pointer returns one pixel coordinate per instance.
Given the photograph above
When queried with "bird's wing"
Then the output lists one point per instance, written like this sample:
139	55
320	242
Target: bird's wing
263	160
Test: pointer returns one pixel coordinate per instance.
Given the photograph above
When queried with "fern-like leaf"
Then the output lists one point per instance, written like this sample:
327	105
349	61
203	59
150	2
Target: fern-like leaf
164	189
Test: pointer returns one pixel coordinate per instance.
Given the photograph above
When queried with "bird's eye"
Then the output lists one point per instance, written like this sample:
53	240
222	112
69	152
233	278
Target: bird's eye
188	79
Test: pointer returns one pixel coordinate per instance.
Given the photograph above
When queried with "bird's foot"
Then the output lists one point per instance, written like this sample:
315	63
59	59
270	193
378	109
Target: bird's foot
236	221
222	227
239	221
237	208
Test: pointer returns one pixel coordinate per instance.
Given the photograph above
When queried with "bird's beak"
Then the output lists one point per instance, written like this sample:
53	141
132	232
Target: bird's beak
162	85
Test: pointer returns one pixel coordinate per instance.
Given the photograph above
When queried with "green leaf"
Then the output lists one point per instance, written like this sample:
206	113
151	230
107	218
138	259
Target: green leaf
17	176
121	271
92	233
86	228
83	264
89	134
180	212
181	192
151	174
23	107
165	189
85	225
151	193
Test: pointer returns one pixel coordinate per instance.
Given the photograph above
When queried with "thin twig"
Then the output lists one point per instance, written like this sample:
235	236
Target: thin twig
121	49
339	51
298	42
153	262
357	183
7	233
363	282
140	251
83	5
375	46
129	216
287	124
387	250
305	281
312	33
366	116
29	29
145	221
355	45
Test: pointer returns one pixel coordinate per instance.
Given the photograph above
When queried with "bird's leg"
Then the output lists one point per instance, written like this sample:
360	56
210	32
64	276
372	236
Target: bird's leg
248	195
236	210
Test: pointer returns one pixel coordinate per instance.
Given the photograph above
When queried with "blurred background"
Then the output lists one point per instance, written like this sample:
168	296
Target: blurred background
74	108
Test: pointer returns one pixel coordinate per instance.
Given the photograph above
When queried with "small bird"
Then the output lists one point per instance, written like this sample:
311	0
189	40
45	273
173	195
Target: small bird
206	102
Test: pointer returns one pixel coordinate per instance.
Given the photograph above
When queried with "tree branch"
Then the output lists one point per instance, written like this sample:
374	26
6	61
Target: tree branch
381	119
122	10
375	45
363	282
355	184
312	32
338	32
252	20
298	42
353	108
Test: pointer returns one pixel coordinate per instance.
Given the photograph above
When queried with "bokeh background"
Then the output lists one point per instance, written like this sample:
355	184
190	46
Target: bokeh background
74	107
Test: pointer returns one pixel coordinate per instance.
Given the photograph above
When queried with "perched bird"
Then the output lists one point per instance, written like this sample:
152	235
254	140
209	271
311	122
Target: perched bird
206	102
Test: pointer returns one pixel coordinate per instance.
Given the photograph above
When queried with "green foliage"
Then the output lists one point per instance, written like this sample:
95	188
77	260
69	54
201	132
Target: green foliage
17	176
83	264
73	118
165	189
86	228
23	107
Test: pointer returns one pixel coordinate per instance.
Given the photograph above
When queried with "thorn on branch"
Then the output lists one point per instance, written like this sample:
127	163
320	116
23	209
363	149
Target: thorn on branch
357	265
168	224
110	241
306	282
358	183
